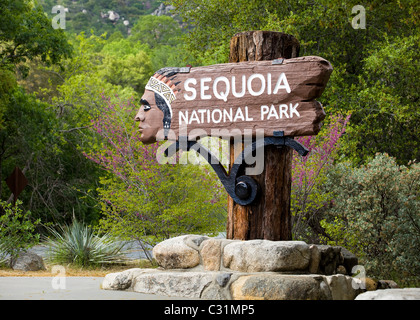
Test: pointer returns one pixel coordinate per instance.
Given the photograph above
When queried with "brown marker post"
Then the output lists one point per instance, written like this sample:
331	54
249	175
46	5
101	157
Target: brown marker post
269	217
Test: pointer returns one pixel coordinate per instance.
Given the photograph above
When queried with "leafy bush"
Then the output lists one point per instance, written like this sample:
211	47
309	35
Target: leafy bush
78	244
375	213
17	231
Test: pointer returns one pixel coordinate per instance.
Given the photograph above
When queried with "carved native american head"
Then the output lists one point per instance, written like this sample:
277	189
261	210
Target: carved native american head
155	112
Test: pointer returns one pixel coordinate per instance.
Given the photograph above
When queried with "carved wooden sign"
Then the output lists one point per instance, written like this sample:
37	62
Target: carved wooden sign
235	98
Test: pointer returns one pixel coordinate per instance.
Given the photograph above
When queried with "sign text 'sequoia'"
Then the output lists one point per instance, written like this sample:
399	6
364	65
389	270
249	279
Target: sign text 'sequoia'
221	87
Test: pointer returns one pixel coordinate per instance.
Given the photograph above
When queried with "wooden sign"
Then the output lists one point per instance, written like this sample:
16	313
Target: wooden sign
233	99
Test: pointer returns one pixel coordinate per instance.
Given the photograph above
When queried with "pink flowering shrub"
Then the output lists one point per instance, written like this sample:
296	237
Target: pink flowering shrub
308	175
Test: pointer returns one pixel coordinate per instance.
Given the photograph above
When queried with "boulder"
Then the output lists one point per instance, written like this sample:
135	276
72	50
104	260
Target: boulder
266	255
28	261
349	260
391	294
163	10
123	280
280	287
182	284
211	254
331	258
387	284
342	287
315	259
174	253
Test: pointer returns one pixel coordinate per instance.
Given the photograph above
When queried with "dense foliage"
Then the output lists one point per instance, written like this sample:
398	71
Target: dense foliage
68	97
17	231
375	213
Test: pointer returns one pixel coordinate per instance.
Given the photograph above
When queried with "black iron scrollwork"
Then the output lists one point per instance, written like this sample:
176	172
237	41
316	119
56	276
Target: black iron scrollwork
243	189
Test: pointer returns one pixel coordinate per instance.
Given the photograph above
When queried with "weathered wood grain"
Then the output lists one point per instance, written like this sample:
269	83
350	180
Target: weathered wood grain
306	77
269	217
262	45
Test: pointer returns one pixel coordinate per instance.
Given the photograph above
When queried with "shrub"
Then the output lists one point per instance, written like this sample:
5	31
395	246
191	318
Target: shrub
308	197
77	244
376	214
17	231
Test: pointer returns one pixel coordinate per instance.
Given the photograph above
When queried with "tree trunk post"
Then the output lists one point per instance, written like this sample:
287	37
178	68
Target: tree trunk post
269	216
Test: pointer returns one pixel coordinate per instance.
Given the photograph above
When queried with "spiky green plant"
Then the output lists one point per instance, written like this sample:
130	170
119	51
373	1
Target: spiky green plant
77	244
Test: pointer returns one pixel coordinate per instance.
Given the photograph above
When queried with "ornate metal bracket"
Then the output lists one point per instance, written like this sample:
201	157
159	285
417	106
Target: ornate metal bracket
242	188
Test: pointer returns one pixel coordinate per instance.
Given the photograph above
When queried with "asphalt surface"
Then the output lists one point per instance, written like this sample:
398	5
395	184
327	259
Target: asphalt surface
72	288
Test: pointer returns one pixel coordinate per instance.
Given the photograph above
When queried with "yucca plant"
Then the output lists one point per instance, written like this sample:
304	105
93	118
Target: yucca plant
3	253
77	244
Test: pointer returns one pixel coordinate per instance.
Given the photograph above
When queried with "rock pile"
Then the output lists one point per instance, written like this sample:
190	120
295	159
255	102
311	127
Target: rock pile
211	254
194	266
163	10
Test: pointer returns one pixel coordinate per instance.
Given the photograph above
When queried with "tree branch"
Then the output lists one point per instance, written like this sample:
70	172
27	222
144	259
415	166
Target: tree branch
74	129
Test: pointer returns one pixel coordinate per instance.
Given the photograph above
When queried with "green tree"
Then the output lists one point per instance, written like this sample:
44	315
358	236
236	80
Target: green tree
32	139
86	15
126	63
162	35
8	85
156	30
25	36
385	112
28	33
375	214
32	136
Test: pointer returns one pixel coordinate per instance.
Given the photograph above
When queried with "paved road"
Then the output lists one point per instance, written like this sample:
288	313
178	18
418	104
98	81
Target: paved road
76	288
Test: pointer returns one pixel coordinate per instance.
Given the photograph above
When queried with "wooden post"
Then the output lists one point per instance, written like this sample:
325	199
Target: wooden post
269	216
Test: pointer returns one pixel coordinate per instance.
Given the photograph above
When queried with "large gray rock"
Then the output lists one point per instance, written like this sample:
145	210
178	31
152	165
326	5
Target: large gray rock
122	280
391	294
315	259
266	255
175	253
211	254
27	261
180	284
280	287
342	287
349	260
331	258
